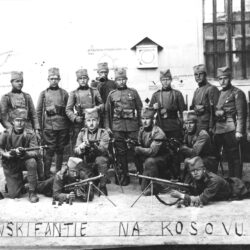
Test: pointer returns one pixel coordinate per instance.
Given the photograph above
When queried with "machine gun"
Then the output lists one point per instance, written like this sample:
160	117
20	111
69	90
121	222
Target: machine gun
168	186
14	151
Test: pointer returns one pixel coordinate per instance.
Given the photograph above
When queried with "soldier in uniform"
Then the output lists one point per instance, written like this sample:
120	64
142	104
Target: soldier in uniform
198	143
75	170
53	120
204	100
122	116
17	99
92	146
230	123
104	85
14	162
169	104
207	186
151	154
80	99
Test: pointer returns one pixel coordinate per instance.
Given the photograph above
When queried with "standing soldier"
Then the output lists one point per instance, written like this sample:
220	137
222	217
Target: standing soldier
17	99
104	85
53	120
169	104
204	100
230	123
92	146
80	99
14	162
122	116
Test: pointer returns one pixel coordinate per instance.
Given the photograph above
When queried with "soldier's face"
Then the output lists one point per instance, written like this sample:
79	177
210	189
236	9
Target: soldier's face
190	126
54	80
200	77
19	124
103	73
224	81
17	84
121	82
166	82
83	81
197	172
91	123
146	122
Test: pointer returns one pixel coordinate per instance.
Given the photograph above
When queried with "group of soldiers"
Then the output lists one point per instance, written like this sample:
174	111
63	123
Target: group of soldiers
109	111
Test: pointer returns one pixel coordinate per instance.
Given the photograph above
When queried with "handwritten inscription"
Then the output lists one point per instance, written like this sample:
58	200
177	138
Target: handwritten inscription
125	229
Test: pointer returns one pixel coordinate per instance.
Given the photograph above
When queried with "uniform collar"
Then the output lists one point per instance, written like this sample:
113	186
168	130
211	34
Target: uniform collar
227	88
122	88
148	129
93	131
54	88
167	89
16	91
83	87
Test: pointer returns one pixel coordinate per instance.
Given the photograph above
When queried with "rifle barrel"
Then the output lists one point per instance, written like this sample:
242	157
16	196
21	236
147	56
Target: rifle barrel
83	182
180	184
35	148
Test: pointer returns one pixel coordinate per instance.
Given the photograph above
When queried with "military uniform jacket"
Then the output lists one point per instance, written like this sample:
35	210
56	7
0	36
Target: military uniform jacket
170	102
81	99
197	145
233	102
152	141
204	100
123	110
51	109
212	188
104	88
10	140
12	101
100	135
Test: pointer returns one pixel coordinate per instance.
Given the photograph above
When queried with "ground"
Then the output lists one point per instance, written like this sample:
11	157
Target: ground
99	224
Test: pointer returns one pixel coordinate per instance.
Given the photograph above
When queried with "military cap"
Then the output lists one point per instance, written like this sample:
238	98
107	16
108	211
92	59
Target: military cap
165	73
75	163
120	73
53	72
224	71
201	68
16	75
81	72
91	113
102	66
194	162
19	113
190	116
147	112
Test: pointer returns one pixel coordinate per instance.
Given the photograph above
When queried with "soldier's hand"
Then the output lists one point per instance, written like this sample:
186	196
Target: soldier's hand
20	152
138	149
109	131
79	119
7	155
238	136
177	194
156	105
195	201
71	196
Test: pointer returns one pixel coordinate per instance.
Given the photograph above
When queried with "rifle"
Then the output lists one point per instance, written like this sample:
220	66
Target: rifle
182	187
76	187
14	151
171	143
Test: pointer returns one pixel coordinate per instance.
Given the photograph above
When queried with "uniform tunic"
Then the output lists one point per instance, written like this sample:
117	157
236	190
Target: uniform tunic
204	100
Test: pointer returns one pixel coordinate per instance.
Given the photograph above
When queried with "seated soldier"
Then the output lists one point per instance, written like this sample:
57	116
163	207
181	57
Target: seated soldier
151	155
15	161
198	143
208	186
75	171
92	146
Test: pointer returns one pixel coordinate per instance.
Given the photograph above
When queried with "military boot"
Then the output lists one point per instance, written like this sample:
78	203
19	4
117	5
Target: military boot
47	166
1	196
33	198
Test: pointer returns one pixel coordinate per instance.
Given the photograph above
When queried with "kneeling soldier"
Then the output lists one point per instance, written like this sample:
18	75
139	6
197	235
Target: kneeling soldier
75	171
92	146
208	186
198	143
151	154
15	161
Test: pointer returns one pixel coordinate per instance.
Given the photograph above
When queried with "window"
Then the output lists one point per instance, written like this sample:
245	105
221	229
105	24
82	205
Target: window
226	36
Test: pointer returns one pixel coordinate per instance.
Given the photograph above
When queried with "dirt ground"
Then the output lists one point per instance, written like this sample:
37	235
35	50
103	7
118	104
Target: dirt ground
100	224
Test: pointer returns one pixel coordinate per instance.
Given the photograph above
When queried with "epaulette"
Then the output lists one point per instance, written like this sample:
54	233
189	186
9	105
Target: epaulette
94	88
112	91
29	131
83	129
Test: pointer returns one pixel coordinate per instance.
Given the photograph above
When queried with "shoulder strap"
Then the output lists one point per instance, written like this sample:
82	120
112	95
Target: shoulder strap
92	97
